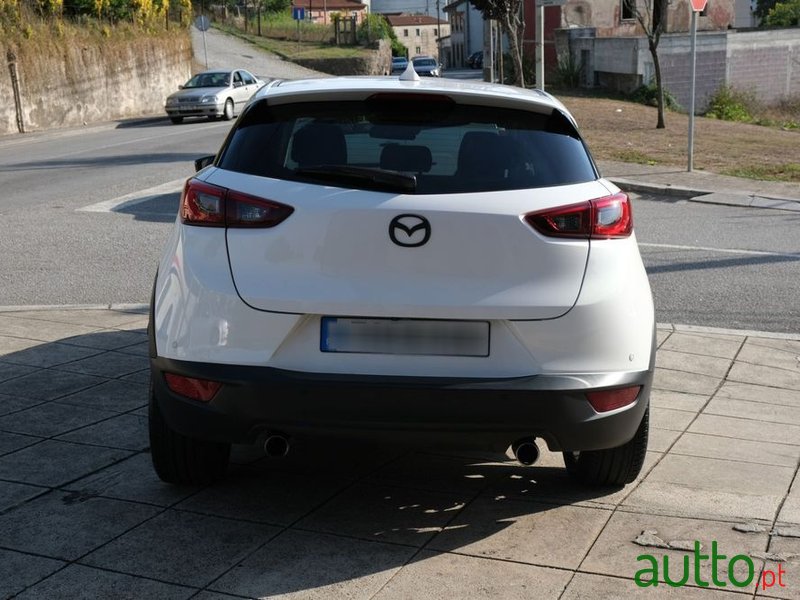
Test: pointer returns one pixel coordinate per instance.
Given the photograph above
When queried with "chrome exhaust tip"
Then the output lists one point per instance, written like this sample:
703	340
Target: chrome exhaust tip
526	451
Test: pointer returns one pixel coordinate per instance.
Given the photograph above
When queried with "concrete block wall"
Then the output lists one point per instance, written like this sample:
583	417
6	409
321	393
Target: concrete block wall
75	84
675	58
765	62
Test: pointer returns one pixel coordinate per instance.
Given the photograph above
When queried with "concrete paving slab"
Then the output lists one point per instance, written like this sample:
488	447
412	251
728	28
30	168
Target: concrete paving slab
12	494
756	411
677	400
660	440
525	532
672	420
681	381
12	404
182	548
64	526
599	587
263	497
704	345
706	487
386	514
442	473
32	353
19	571
51	419
140	349
734	427
615	552
11	370
10	442
95	319
788	547
662	336
759	393
108	364
552	485
770	357
132	479
304	565
44	331
53	463
790	511
46	386
142	377
693	363
723	448
116	396
126	432
433	576
786	345
769	376
110	339
79	582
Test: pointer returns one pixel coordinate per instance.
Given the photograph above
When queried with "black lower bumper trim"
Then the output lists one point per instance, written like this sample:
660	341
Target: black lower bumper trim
470	413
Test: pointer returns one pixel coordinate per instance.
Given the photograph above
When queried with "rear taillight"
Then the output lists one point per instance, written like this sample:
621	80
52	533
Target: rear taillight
214	206
599	219
196	389
605	400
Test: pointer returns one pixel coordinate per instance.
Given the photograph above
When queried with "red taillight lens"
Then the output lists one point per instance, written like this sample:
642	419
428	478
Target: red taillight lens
605	400
196	389
599	219
214	206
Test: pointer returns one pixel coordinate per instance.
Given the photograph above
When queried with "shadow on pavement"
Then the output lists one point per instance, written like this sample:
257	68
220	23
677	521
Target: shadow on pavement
79	498
106	161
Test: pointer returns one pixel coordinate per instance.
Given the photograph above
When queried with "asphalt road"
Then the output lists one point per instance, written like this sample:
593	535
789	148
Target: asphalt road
85	213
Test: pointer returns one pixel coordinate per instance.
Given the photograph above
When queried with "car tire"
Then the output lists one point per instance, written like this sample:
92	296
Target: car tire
181	459
176	120
614	466
227	113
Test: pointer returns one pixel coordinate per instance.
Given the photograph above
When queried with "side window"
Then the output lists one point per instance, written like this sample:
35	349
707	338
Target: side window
237	78
247	78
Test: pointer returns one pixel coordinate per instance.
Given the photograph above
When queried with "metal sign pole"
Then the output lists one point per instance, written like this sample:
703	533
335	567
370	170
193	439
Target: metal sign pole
690	152
540	47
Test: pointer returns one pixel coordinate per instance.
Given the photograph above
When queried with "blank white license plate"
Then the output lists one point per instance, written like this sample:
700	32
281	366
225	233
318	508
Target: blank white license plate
404	336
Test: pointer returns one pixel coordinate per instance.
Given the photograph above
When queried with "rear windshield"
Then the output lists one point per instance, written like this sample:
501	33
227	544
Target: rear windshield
446	147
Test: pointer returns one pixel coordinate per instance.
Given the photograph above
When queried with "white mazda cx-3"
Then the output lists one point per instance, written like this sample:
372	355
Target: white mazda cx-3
433	261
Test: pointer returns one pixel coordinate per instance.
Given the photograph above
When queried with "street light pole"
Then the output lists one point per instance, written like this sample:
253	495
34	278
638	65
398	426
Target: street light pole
690	151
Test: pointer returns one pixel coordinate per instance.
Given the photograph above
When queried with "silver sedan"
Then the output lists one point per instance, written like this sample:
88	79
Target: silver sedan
213	94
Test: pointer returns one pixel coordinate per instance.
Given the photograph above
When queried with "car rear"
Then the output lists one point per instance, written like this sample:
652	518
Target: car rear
425	261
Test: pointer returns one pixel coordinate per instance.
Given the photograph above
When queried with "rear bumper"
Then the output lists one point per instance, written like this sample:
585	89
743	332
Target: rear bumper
469	413
195	110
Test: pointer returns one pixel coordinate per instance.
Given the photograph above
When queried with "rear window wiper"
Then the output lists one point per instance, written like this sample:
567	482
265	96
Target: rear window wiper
371	178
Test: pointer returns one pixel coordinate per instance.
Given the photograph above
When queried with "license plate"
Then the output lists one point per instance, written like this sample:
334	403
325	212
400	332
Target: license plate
404	336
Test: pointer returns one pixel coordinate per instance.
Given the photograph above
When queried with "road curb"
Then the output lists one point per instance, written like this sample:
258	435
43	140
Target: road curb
629	185
771	335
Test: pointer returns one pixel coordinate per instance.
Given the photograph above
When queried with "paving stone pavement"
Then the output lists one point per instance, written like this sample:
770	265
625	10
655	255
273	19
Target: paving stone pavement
82	514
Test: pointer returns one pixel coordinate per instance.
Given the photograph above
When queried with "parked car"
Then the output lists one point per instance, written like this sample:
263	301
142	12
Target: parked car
439	263
213	94
399	64
475	60
426	66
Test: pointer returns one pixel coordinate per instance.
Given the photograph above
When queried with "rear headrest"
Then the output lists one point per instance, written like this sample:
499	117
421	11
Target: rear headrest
319	144
410	159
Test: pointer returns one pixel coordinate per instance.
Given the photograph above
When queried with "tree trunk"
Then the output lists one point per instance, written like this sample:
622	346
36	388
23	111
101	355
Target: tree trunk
659	86
511	27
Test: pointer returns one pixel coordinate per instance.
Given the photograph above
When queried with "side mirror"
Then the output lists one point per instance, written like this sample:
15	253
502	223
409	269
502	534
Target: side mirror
203	162
180	87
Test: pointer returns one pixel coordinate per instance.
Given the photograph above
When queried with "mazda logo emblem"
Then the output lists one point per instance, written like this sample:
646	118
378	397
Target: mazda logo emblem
409	231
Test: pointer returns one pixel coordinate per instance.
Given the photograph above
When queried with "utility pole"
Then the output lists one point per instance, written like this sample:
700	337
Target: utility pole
438	35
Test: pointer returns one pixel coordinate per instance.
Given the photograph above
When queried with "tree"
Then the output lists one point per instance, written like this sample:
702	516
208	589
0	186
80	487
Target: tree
652	18
509	14
784	14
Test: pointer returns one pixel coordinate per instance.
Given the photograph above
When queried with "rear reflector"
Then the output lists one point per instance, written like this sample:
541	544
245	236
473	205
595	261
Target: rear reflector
599	219
606	400
196	389
213	206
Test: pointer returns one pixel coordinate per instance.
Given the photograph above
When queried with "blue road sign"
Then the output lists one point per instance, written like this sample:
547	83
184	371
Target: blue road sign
298	13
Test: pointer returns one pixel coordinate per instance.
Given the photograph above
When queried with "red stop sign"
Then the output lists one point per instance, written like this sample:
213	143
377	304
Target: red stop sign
699	5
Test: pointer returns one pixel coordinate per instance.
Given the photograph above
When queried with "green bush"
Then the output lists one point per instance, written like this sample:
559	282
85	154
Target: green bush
376	27
569	71
648	94
784	14
730	104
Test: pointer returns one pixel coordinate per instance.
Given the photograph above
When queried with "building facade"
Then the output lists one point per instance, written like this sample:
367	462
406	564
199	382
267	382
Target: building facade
419	33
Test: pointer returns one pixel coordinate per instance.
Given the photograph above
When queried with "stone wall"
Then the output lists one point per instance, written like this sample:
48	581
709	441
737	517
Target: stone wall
377	61
66	84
